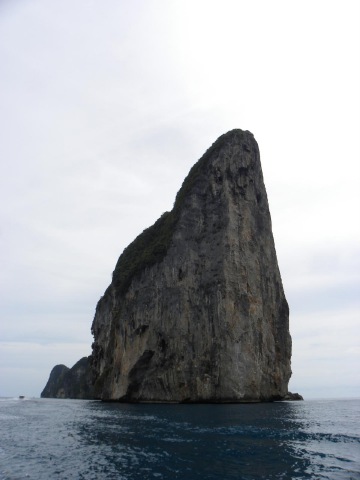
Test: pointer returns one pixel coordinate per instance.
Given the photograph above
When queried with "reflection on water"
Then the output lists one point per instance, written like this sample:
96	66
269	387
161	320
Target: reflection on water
60	439
280	440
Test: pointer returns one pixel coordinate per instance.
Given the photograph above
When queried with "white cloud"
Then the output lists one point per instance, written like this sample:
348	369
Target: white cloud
326	353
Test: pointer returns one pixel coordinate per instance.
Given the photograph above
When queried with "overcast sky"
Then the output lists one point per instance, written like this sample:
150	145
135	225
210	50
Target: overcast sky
104	108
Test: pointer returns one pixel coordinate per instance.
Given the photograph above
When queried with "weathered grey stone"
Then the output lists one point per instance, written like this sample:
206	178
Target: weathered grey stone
293	397
75	382
196	310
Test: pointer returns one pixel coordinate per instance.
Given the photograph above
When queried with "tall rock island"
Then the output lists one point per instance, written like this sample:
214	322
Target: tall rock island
196	310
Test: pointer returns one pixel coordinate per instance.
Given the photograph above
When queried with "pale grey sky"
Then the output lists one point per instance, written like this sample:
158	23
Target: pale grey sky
104	108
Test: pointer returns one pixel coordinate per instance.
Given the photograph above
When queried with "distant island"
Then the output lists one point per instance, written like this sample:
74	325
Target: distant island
196	310
74	382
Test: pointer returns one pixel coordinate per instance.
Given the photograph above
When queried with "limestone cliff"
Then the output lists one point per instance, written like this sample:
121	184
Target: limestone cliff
196	310
75	382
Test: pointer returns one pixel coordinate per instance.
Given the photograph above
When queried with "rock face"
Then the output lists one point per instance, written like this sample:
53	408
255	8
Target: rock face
293	397
75	382
196	310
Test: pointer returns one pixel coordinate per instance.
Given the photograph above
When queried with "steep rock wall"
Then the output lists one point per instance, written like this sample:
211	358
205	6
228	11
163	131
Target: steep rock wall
196	309
74	382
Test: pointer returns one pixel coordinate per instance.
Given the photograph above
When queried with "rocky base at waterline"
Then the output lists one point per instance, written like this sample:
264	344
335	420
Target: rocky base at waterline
196	310
289	397
75	382
292	397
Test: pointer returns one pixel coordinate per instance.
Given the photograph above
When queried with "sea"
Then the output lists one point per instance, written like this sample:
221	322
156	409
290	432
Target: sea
80	439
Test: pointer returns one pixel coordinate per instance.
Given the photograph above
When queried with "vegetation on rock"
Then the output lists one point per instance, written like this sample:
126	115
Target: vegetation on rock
151	245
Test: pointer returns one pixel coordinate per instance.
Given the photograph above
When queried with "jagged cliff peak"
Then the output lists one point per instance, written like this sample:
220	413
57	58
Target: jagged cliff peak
151	245
196	309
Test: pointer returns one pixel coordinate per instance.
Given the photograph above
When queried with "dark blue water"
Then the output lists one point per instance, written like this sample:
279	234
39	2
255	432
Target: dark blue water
74	439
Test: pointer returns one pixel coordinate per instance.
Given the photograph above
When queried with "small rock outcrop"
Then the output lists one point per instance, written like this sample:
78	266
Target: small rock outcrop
75	382
196	310
293	397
